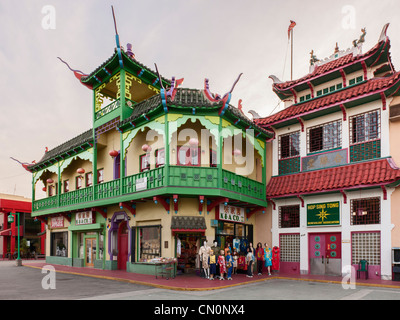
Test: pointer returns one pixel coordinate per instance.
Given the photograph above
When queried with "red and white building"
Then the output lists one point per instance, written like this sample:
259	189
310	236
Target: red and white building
333	189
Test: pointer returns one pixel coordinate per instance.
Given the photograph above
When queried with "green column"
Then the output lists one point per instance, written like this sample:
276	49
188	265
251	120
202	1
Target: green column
166	144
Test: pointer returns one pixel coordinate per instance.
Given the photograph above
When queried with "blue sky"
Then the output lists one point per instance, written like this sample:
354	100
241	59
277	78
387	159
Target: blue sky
44	105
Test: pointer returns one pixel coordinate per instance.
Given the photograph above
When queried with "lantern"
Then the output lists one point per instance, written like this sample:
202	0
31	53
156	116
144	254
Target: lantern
145	147
80	171
113	153
49	180
44	189
237	152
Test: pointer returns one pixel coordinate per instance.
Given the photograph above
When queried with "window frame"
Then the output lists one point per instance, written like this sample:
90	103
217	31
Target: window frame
141	158
366	134
292	152
326	142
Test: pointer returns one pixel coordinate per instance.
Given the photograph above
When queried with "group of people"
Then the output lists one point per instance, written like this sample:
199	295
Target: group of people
220	263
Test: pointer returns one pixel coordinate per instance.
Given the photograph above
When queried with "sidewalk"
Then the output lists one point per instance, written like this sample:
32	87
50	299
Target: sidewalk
191	282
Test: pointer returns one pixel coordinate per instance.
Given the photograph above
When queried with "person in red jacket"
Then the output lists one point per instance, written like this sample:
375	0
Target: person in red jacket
260	258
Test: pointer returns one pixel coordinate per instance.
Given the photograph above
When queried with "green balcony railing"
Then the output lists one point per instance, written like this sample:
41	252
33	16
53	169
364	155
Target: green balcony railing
179	176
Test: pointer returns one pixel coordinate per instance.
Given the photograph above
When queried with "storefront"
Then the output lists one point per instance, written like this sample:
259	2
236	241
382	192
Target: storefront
87	233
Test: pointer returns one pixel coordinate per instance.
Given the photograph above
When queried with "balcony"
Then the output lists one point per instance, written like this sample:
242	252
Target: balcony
163	180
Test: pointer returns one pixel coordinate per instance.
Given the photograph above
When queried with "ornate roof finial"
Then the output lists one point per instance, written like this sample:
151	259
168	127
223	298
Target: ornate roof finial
129	51
361	40
314	58
336	48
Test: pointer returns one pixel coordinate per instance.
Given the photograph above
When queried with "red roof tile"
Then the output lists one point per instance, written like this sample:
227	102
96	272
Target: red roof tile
297	110
377	172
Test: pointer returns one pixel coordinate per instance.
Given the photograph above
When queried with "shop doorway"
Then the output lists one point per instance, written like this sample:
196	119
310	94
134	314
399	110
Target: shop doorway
122	245
90	251
325	252
187	249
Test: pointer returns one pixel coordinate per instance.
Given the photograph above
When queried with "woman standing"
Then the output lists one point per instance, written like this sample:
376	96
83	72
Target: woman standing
268	258
260	258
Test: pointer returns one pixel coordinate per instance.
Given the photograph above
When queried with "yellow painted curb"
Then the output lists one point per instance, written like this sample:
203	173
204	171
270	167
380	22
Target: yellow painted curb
160	286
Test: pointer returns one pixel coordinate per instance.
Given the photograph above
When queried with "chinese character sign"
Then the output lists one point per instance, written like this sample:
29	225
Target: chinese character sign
231	213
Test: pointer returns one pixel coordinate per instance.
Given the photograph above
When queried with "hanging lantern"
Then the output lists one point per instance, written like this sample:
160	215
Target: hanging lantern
49	180
146	147
44	189
237	152
113	153
80	171
194	142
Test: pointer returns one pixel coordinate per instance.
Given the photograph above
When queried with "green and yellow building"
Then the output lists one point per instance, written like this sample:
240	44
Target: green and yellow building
162	169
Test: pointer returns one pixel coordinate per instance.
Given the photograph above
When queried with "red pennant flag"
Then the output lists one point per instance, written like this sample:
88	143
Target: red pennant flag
291	27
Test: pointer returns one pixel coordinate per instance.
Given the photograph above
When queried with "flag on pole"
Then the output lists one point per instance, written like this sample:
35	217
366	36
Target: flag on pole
291	27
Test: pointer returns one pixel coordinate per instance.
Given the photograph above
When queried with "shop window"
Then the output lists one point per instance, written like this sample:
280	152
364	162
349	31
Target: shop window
366	246
188	156
100	176
51	190
149	243
160	157
289	145
325	137
289	217
89	179
66	186
59	244
365	211
144	162
365	127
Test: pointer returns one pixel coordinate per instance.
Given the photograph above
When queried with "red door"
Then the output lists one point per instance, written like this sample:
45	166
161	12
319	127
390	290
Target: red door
122	245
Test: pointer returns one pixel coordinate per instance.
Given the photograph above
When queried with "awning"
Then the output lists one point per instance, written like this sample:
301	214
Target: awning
6	232
188	224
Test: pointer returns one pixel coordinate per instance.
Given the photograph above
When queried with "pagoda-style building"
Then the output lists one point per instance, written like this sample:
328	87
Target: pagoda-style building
333	189
163	169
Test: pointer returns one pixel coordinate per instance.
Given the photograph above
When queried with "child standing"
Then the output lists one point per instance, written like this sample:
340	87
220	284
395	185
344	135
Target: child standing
229	264
212	263
249	263
235	261
222	265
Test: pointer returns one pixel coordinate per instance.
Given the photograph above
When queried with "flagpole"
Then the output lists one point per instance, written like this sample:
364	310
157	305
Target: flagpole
291	60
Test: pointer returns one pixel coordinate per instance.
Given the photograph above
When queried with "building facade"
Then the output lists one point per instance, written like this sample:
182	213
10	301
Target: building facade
32	232
162	170
334	181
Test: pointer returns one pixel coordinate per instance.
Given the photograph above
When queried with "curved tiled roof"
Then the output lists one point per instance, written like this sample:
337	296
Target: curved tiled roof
336	64
345	95
353	176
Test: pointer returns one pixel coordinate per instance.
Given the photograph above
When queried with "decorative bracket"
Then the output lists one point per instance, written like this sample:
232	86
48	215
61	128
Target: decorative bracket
344	196
102	211
383	97
312	89
343	78
294	95
302	201
344	112
201	204
175	197
364	66
273	203
251	212
301	123
215	203
384	192
131	208
163	202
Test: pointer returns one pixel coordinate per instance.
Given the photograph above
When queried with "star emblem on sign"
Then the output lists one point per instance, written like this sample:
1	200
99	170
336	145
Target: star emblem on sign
323	215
